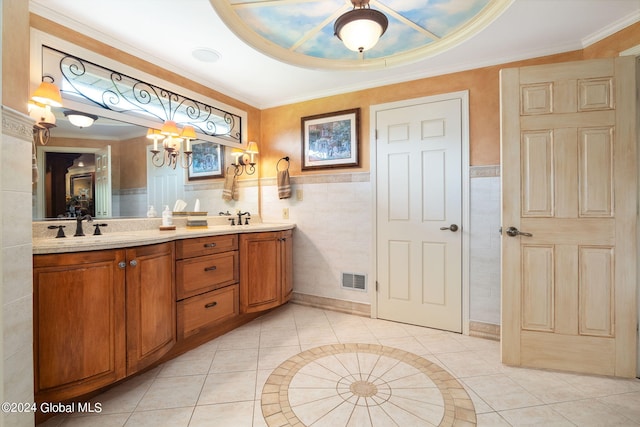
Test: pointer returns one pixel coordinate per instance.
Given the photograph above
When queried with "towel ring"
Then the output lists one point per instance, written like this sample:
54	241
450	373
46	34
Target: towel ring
278	164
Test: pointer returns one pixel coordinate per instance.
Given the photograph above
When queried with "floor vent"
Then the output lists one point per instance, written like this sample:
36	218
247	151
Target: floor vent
354	281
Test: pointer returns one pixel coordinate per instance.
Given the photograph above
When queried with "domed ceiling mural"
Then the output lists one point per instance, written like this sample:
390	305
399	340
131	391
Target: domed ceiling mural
301	32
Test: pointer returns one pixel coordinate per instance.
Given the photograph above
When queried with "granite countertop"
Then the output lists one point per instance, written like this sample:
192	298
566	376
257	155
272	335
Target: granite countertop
123	239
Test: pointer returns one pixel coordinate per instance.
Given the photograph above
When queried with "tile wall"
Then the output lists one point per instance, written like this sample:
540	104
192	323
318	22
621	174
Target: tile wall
484	244
334	229
15	264
133	202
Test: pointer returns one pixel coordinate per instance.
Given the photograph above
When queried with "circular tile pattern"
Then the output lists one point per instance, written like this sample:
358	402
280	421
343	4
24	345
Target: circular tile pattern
363	384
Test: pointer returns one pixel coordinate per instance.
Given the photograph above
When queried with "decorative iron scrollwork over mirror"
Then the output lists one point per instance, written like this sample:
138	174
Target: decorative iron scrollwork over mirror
88	83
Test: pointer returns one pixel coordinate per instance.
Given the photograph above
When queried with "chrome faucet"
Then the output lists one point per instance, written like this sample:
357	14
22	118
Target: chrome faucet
79	230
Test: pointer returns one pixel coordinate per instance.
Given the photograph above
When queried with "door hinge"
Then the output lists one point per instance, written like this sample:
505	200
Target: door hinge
376	286
376	135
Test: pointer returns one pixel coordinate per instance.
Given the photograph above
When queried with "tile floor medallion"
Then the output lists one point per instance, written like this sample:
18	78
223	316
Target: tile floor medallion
363	385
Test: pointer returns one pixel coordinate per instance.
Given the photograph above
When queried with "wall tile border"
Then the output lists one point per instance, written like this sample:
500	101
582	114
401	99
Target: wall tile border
484	171
17	124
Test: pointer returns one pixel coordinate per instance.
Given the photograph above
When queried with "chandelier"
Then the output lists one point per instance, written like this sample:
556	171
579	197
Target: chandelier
360	28
171	138
245	161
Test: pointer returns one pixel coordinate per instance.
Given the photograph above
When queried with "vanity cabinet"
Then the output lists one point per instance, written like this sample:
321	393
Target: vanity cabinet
207	282
100	316
266	270
103	315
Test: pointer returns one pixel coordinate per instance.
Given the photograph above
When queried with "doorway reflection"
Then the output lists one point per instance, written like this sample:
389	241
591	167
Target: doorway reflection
70	184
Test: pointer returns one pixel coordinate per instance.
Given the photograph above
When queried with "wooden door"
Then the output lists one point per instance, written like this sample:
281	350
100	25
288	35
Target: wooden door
79	323
569	182
151	304
419	212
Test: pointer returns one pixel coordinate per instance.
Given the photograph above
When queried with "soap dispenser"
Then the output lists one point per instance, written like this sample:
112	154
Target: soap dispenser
167	216
152	213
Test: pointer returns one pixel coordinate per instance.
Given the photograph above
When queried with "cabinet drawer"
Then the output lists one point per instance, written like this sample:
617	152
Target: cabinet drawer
202	311
197	275
189	248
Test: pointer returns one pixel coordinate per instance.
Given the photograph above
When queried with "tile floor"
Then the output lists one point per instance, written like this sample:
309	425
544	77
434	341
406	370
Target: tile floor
221	383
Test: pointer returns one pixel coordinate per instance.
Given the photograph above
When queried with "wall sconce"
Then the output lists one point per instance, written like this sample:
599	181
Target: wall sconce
47	95
245	160
80	119
171	138
360	28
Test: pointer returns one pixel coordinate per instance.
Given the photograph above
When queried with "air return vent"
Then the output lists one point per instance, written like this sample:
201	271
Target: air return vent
354	281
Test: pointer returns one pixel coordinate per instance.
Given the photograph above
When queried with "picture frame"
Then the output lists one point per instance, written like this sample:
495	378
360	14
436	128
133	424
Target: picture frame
331	140
82	185
207	161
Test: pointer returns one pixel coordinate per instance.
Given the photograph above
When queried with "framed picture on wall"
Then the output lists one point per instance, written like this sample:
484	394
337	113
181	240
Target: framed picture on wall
331	140
208	161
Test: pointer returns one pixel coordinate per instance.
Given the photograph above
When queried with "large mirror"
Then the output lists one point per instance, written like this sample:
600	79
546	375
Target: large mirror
105	168
92	170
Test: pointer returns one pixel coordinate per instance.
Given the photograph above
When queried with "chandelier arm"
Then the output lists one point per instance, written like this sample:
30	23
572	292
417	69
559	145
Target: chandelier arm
187	160
155	157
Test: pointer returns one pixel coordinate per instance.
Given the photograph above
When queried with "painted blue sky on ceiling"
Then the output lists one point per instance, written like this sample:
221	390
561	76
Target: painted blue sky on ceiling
307	27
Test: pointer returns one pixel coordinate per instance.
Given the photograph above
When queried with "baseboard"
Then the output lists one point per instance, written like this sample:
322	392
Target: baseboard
484	330
349	307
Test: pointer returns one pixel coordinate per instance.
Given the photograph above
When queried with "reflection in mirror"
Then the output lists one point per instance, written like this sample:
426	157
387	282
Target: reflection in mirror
111	152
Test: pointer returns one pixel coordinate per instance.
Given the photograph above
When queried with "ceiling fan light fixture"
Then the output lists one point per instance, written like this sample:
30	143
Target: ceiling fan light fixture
360	28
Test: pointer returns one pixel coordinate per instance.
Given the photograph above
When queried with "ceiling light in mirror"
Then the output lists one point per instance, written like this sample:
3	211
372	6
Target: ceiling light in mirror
79	119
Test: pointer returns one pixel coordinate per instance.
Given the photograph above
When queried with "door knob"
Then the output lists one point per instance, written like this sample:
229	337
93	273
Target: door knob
512	231
452	227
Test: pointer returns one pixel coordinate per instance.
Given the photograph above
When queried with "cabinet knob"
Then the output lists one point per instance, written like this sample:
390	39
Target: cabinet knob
209	245
122	264
133	263
211	304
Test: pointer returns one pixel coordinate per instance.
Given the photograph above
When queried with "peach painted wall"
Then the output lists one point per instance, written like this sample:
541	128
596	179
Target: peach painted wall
15	59
280	134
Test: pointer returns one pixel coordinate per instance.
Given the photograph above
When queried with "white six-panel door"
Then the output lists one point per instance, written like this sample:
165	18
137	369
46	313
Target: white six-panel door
419	213
103	204
569	183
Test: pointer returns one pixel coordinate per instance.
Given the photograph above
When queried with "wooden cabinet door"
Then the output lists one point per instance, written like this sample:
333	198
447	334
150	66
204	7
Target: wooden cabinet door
286	264
266	270
151	304
79	323
259	275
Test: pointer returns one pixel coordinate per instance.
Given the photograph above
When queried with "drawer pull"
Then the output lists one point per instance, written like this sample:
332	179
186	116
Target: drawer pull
212	268
209	245
211	304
